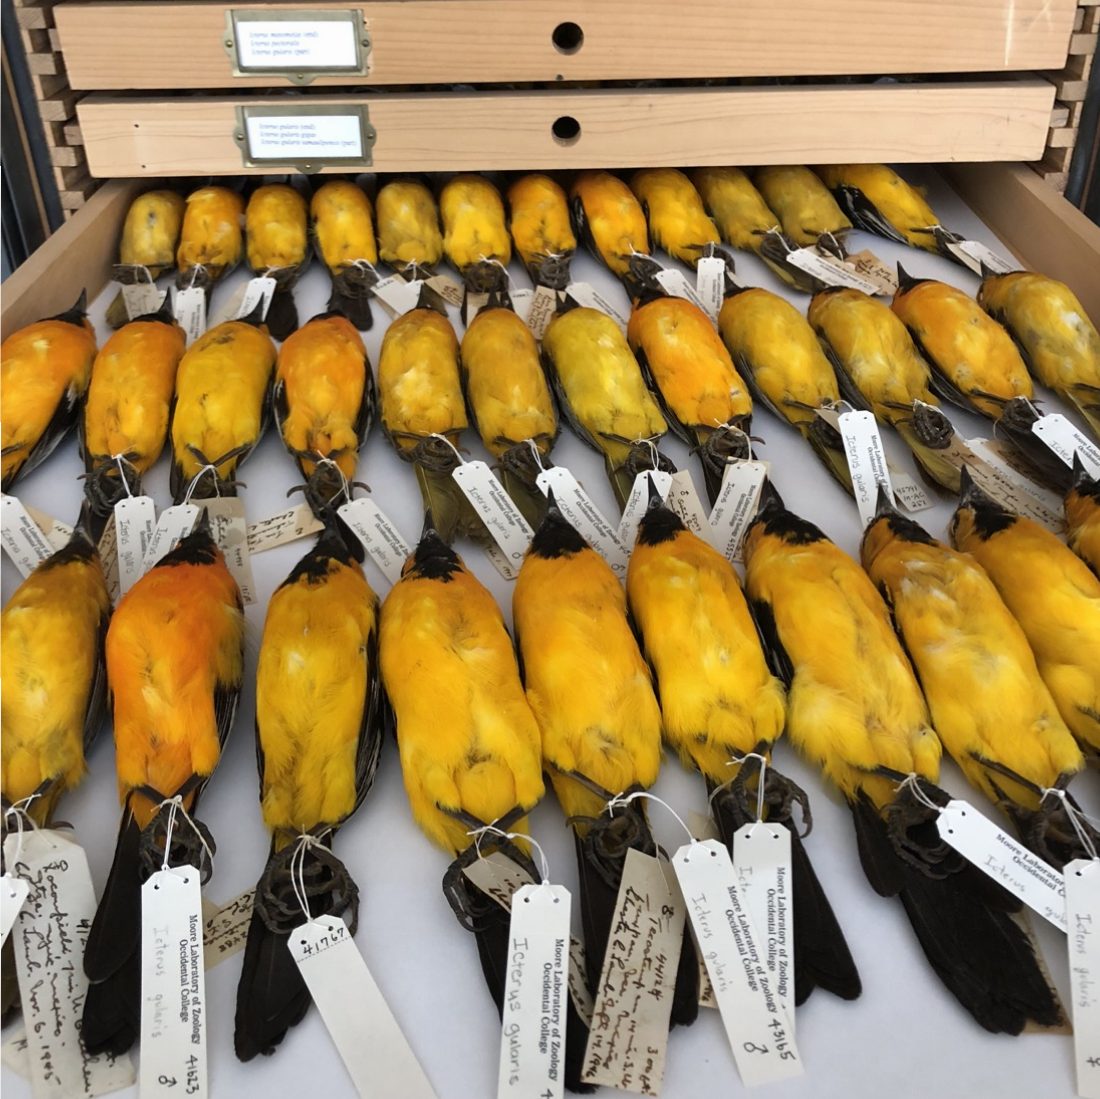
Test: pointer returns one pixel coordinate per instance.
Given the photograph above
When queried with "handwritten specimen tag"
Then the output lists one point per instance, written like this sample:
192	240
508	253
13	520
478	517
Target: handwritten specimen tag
380	538
521	302
1007	486
870	267
49	937
578	985
446	287
189	307
397	295
577	507
277	530
757	1026
1083	917
972	253
684	500
142	298
230	530
135	520
710	284
57	533
544	304
259	289
830	270
637	981
173	526
866	460
909	494
359	1020
501	517
584	294
108	556
225	931
173	985
23	541
733	511
675	284
532	1044
13	894
13	1053
996	853
638	502
762	863
1066	440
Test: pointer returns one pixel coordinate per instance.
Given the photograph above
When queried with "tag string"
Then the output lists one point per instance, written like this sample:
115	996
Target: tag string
365	264
306	842
1075	817
19	812
437	435
478	834
654	457
493	260
122	461
345	488
203	470
912	782
175	806
195	274
619	799
535	451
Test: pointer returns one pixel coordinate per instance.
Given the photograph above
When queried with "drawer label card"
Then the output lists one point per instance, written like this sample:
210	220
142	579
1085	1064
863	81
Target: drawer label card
299	45
309	136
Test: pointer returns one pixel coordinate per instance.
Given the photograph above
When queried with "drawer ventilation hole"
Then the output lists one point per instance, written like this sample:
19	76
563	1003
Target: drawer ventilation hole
566	130
567	38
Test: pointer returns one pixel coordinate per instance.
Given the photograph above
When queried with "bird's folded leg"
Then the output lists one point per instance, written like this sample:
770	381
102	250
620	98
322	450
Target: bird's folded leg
190	841
615	831
911	827
309	873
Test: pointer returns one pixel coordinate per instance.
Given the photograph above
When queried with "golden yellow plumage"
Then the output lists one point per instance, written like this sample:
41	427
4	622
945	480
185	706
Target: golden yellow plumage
977	363
538	219
612	219
51	676
343	225
474	229
221	404
276	228
408	225
1052	594
151	231
212	237
677	221
889	205
805	208
1082	508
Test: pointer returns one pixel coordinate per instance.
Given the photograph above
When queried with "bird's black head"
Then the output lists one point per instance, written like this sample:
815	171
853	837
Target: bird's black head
773	515
979	511
1084	484
906	282
198	548
556	536
660	523
334	543
432	559
76	313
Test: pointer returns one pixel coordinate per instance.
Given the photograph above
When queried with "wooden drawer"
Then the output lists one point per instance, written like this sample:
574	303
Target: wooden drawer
182	45
901	123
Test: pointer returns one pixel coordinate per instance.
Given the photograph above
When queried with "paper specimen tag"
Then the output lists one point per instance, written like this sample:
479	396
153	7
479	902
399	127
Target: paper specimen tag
532	1044
866	460
259	289
521	302
544	304
733	511
1083	940
909	494
225	932
499	560
638	502
13	894
756	1025
577	507
710	284
380	538
13	1053
675	284
474	303
142	298
830	270
189	307
996	853
135	520
358	1019
870	267
23	541
400	296
230	531
584	294
578	985
973	253
288	526
49	938
684	500
628	1036
762	864
1065	440
1011	488
501	517
57	533
446	287
108	556
173	985
173	526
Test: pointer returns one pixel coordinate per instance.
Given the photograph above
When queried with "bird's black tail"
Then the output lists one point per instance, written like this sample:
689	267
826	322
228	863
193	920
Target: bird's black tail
964	921
282	314
271	995
112	958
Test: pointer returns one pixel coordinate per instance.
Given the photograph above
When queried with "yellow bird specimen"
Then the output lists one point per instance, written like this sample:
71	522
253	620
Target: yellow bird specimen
420	399
1082	507
212	237
674	211
602	392
975	363
879	366
127	407
719	702
592	695
475	233
44	373
807	211
510	401
175	662
343	232
409	237
538	219
778	354
855	709
611	222
1060	344
324	401
277	239
689	368
1053	595
221	407
319	731
990	707
745	221
150	235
